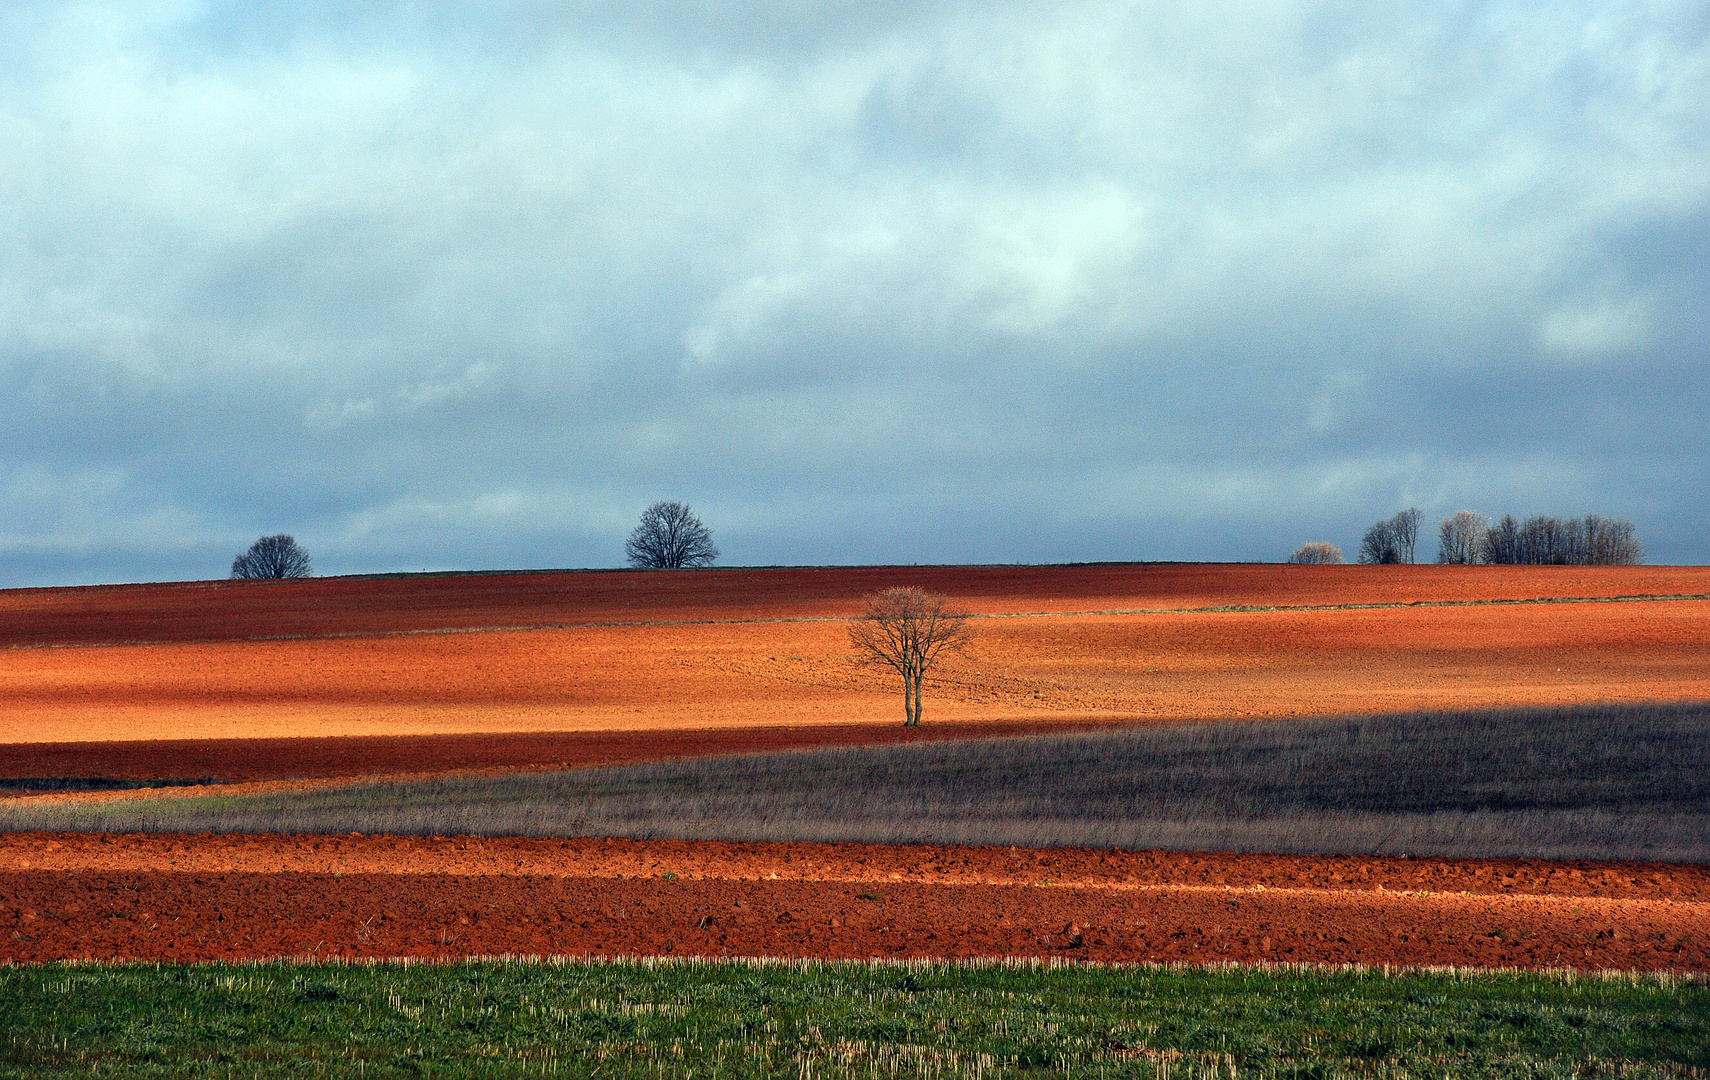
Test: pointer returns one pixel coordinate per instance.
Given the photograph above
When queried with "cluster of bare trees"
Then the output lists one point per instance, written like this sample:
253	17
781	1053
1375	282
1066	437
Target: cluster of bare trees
1393	539
1460	539
1592	540
1469	538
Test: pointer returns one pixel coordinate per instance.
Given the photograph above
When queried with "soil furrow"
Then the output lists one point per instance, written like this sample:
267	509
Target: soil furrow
107	915
876	863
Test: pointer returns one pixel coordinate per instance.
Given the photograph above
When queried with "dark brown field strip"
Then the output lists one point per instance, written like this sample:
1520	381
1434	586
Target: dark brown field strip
1089	613
244	760
75	915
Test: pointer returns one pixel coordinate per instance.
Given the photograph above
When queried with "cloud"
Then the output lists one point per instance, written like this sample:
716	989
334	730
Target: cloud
1597	328
468	285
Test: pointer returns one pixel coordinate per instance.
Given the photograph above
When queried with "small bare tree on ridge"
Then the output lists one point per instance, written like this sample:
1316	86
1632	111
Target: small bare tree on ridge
670	537
906	629
273	557
1317	553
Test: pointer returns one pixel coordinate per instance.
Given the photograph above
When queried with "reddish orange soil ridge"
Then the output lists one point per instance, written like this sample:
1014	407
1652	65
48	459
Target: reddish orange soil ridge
686	673
228	610
201	898
918	863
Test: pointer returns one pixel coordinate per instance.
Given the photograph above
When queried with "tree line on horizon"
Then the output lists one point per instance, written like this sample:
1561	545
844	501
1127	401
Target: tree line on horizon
1467	538
670	536
907	628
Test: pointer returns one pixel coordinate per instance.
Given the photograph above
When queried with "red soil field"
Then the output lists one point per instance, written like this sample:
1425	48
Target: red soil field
241	610
251	761
205	898
364	676
687	673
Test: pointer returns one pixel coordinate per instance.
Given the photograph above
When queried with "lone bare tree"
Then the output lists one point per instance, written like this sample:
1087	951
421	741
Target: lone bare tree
273	557
906	629
670	537
1317	553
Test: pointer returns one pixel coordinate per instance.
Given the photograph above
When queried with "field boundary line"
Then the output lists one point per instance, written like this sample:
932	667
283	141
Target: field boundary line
614	624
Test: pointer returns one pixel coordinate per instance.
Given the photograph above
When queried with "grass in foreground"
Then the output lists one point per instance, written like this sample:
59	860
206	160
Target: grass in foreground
735	1019
1586	782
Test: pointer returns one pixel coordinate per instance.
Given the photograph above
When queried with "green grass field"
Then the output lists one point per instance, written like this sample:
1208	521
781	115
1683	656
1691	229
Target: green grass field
736	1019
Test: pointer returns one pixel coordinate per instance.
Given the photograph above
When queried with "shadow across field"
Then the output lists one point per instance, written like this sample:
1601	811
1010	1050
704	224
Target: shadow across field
1591	782
35	785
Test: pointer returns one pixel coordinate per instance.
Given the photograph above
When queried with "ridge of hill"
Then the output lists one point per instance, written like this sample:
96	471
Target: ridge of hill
324	607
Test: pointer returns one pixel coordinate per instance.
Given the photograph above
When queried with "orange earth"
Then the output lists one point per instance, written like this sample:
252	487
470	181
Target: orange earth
353	676
239	897
615	651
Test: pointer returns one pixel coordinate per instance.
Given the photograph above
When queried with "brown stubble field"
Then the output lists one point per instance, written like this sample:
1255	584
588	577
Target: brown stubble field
520	671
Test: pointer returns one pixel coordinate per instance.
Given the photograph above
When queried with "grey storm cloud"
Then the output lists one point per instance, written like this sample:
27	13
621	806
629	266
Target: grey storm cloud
468	285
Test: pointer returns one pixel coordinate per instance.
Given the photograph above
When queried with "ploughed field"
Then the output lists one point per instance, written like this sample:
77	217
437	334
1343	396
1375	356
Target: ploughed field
172	897
277	684
638	651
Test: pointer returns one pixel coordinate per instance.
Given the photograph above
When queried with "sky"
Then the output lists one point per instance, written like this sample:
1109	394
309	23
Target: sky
468	285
